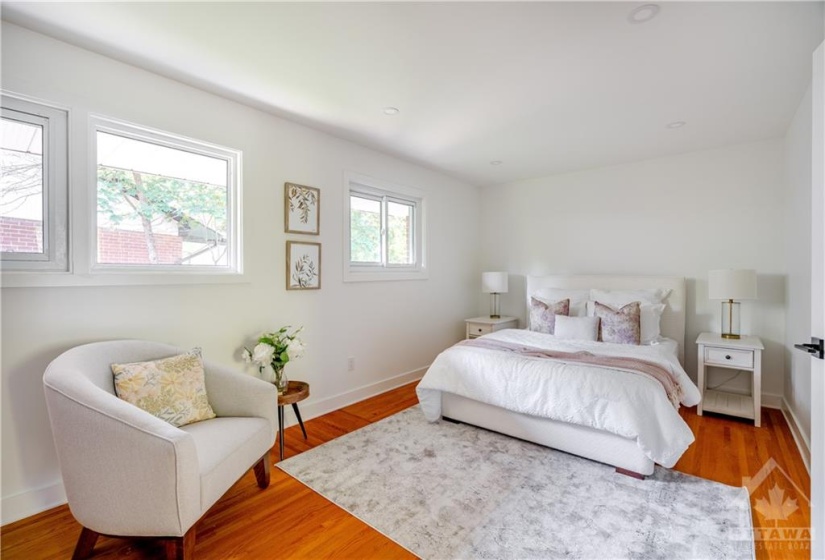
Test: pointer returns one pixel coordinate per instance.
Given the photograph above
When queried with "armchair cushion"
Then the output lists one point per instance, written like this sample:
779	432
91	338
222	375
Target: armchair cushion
225	448
173	389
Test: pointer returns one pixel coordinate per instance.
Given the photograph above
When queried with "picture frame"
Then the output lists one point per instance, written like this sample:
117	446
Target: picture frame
302	209
303	265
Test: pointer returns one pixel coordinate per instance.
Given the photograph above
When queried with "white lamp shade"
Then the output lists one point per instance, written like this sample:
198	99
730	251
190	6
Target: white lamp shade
494	282
732	284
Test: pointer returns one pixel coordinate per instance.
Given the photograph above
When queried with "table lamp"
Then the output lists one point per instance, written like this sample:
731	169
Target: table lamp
731	285
494	283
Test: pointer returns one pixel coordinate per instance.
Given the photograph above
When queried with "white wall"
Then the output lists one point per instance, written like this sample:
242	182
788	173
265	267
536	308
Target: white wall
682	215
798	263
390	328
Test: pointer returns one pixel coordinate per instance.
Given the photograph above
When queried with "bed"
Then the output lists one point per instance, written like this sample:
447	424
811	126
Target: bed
614	417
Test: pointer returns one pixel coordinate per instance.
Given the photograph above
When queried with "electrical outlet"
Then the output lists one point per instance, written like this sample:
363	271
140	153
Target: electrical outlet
350	364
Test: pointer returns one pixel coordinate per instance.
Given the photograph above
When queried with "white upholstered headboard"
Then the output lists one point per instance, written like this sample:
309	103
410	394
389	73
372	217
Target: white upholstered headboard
673	318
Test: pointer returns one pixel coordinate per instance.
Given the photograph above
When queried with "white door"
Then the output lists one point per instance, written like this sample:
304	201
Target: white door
818	306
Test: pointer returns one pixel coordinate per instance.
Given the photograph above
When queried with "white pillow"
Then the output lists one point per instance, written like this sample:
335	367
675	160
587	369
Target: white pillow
650	317
578	298
577	328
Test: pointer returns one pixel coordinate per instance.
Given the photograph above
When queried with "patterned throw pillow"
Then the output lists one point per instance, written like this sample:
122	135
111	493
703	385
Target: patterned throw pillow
620	326
543	315
173	389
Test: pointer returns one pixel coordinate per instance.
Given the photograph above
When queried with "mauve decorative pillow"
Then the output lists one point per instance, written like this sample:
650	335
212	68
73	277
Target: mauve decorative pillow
543	315
650	322
578	299
620	326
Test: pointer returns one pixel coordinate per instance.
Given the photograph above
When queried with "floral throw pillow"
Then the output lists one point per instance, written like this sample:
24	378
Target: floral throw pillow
173	389
543	314
620	326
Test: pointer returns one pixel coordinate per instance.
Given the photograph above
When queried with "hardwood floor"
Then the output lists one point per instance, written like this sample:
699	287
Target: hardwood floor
728	450
287	520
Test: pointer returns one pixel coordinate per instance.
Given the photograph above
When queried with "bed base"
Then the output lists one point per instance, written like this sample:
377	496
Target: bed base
631	474
597	445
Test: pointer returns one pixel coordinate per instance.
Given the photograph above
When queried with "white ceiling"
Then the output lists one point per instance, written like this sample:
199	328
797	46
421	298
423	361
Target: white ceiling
543	87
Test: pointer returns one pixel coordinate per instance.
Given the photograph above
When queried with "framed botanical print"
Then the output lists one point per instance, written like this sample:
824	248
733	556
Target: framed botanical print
302	209
303	265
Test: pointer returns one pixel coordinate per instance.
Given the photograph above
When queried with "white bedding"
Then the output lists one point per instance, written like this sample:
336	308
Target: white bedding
619	402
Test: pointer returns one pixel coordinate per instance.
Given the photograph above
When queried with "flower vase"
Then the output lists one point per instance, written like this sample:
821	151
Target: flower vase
267	374
280	380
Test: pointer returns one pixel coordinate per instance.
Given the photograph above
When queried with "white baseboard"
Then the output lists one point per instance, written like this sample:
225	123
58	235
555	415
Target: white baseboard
30	502
798	434
22	505
799	437
769	400
330	404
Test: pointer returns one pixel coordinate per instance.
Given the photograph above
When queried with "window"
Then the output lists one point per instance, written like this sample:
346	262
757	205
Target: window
33	186
164	202
384	231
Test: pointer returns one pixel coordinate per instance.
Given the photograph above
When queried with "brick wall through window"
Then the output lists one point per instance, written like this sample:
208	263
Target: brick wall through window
129	247
18	235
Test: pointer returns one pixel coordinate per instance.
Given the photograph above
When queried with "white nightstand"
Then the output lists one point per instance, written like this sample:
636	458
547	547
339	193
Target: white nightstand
742	354
485	325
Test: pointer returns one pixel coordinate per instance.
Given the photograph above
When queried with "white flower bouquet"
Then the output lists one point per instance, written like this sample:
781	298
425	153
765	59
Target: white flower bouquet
273	351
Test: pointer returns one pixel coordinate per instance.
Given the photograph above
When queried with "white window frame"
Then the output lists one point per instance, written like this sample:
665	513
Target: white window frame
384	192
55	124
233	230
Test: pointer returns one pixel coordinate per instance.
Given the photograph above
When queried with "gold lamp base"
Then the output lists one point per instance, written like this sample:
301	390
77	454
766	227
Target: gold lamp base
494	313
730	320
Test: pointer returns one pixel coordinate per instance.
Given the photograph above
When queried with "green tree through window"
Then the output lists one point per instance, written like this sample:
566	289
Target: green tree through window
197	209
386	231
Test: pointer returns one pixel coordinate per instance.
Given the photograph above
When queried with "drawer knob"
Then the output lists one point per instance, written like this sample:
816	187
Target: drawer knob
727	356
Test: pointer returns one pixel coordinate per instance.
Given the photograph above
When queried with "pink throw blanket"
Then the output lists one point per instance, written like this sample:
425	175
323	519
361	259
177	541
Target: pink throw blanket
665	377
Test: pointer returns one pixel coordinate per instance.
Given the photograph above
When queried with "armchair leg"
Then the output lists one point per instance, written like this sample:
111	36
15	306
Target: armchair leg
181	548
85	544
261	469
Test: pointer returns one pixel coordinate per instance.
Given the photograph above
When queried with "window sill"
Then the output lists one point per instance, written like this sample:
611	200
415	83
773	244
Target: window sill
19	279
384	275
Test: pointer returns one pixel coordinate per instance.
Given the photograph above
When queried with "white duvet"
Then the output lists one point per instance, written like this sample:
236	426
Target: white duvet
626	404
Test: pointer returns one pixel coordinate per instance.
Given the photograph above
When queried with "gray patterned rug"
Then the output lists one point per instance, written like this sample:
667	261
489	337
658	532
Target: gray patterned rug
448	491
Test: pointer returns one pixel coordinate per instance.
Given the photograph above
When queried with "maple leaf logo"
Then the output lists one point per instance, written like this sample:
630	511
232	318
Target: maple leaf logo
777	506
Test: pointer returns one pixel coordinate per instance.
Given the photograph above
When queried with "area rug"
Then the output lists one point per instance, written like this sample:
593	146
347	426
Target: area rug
455	491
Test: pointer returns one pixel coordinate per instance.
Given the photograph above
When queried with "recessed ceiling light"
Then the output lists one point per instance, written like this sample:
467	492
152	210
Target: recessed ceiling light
391	111
644	13
496	162
676	124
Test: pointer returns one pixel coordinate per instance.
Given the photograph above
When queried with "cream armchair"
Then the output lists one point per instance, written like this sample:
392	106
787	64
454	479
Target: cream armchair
128	473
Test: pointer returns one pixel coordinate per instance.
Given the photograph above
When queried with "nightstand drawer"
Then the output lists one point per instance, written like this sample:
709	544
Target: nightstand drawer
729	357
477	329
479	326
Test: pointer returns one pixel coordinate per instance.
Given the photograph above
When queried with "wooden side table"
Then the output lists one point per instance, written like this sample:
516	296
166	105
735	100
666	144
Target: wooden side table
295	392
741	354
